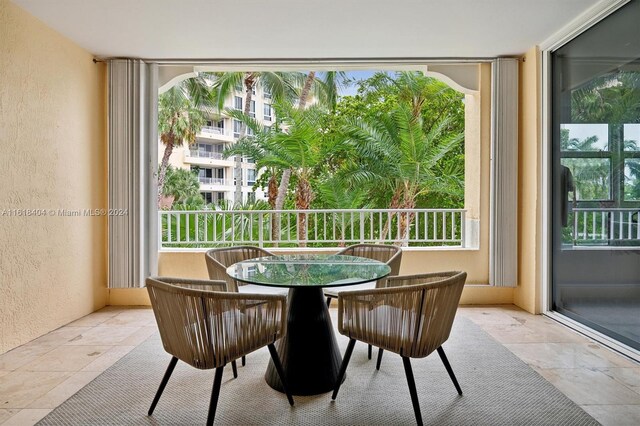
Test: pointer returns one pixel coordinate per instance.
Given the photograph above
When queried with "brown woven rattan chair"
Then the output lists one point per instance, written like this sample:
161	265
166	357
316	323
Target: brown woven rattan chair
219	259
205	326
391	255
412	317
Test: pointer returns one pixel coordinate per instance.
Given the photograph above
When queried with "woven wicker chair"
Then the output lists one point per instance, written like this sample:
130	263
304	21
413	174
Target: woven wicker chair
218	260
412	317
391	255
205	326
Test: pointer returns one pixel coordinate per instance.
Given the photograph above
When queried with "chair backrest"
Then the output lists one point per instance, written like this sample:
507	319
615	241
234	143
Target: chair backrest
391	255
436	306
181	315
219	259
207	329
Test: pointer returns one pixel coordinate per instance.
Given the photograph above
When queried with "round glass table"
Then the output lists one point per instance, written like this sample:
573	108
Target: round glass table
308	350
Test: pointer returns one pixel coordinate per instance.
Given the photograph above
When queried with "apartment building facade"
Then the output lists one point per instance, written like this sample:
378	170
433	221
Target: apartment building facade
215	172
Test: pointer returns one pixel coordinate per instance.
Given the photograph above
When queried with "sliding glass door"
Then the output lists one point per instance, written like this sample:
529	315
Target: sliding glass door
596	177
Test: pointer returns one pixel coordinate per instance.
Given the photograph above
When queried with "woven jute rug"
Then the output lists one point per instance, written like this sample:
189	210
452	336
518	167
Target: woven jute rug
499	389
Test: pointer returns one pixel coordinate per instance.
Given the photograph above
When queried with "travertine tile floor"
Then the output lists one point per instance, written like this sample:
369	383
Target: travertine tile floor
42	374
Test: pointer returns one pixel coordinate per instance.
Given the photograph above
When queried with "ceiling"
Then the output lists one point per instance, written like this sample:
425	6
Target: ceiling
299	29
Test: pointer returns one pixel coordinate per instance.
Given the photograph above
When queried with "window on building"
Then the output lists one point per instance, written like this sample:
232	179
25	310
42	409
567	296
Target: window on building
252	109
208	197
251	176
266	112
251	197
237	103
237	128
266	94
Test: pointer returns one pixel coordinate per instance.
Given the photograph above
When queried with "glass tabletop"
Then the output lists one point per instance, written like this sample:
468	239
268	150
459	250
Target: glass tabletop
308	270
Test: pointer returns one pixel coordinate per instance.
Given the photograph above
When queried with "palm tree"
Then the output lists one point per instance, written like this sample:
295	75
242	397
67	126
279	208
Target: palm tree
299	149
182	185
281	85
396	154
326	91
182	112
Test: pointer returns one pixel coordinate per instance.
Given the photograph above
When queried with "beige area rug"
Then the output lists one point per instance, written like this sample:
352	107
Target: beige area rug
499	389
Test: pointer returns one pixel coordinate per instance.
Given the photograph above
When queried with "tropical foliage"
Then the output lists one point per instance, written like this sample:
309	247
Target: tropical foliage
397	143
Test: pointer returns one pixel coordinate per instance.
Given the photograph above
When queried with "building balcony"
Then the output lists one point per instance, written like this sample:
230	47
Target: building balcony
215	133
206	158
215	184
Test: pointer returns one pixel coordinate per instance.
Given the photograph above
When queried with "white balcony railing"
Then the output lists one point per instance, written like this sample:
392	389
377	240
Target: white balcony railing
206	154
606	226
212	181
311	228
212	130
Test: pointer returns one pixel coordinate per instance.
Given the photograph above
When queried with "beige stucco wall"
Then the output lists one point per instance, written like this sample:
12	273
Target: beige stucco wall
52	135
527	294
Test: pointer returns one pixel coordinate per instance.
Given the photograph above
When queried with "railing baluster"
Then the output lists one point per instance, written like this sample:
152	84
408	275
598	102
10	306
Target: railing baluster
371	237
351	225
224	227
620	228
629	221
444	226
178	220
463	228
206	227
197	228
435	233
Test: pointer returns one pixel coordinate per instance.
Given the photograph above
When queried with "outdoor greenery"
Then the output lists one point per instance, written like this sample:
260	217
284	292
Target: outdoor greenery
397	143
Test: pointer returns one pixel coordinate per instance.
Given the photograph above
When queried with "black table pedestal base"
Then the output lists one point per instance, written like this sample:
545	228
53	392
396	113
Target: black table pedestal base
308	350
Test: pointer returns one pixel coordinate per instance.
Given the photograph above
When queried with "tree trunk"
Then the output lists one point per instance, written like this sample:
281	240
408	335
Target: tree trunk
272	194
303	201
282	194
395	204
304	94
249	83
162	171
272	191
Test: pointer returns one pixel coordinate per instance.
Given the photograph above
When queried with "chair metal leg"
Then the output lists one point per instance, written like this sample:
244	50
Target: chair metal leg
380	352
234	367
244	360
369	349
328	302
278	365
343	367
445	361
215	393
163	383
412	389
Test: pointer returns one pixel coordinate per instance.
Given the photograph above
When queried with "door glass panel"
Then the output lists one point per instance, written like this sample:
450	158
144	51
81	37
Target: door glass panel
584	137
595	177
632	179
592	177
632	137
